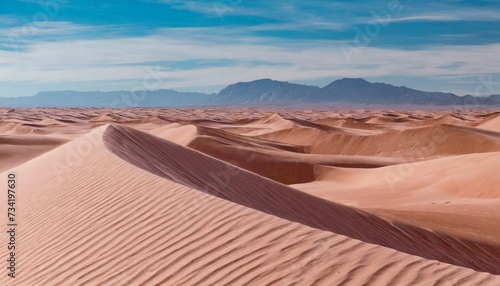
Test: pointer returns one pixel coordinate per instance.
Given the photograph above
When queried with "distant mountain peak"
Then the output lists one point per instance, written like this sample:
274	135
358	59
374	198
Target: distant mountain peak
262	80
348	81
354	80
264	91
257	92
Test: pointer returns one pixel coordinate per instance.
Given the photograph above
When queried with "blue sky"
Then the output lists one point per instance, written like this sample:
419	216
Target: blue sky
202	46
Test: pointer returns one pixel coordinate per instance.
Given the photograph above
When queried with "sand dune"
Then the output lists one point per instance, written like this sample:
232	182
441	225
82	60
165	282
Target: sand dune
425	142
118	206
446	119
267	124
15	149
491	123
456	176
457	195
279	200
276	162
20	128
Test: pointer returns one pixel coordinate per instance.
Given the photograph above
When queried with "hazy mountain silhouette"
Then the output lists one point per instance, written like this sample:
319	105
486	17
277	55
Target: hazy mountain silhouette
258	92
265	91
68	98
346	90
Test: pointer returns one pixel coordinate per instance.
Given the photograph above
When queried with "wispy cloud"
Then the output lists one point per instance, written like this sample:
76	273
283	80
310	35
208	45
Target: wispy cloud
9	20
291	14
246	58
22	37
45	28
432	18
470	15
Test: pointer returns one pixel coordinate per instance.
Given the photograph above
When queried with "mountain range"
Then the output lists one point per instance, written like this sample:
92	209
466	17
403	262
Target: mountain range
141	98
258	92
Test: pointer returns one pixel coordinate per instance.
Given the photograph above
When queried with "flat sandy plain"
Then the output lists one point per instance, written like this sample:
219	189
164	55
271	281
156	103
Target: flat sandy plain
252	197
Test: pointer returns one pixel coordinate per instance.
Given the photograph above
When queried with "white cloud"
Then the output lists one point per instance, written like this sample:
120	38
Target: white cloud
214	8
8	20
289	15
17	36
431	18
62	60
455	16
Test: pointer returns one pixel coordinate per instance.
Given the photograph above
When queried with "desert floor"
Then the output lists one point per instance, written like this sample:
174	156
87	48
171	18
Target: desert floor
252	196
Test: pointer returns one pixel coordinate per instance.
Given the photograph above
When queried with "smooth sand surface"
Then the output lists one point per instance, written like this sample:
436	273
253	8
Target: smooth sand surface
253	196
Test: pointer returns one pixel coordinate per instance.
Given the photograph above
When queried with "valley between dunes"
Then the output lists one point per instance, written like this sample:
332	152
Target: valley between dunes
246	196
